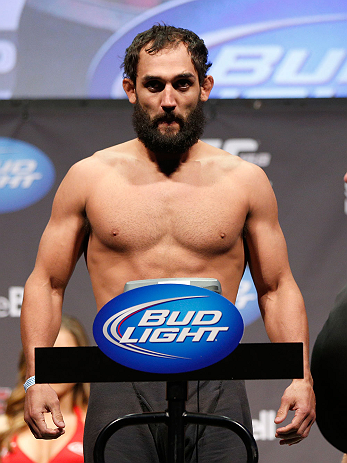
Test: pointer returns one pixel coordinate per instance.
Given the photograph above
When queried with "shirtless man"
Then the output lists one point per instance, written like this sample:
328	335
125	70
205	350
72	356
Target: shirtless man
165	205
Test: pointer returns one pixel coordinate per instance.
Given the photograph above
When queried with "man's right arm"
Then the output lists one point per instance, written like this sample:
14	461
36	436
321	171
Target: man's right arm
60	247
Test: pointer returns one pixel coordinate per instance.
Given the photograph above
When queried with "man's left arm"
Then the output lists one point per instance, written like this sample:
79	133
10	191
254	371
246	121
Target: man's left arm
281	303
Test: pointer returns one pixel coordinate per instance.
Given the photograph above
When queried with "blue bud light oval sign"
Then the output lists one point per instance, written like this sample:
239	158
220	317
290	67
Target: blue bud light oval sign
168	328
26	174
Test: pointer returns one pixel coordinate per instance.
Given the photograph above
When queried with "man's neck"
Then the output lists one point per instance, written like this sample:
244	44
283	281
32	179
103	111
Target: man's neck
169	164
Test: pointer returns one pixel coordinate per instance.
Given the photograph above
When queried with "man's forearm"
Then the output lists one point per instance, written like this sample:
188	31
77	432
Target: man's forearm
40	320
285	320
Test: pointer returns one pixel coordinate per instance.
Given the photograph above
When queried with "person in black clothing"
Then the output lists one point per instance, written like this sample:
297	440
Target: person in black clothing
328	366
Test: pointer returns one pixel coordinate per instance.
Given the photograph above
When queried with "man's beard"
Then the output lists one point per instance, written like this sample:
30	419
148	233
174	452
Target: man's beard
169	144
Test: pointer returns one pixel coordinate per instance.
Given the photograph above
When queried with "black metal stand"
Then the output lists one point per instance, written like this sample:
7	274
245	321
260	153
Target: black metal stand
247	361
176	418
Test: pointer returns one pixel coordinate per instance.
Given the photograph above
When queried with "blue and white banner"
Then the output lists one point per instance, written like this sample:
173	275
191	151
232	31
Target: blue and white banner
259	48
264	49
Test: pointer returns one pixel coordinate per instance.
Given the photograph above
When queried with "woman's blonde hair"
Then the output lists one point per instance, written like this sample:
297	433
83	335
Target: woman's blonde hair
15	403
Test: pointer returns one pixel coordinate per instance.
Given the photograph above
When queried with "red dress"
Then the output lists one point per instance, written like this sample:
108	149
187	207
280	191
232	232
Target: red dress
71	453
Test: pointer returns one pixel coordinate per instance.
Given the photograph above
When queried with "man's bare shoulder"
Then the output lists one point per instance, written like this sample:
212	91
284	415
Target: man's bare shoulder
113	154
229	163
105	157
90	168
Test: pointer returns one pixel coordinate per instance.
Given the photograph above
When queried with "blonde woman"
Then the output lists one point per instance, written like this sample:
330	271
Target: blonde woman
17	443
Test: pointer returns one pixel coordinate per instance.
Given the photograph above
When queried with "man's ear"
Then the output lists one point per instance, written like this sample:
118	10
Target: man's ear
206	88
130	90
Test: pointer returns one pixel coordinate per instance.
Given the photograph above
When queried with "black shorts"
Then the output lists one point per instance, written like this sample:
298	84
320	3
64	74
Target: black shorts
148	443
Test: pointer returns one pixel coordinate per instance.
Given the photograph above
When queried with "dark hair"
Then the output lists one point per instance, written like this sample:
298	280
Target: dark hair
163	36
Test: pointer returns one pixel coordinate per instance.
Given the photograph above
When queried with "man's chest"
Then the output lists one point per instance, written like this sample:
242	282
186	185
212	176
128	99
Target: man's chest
209	217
